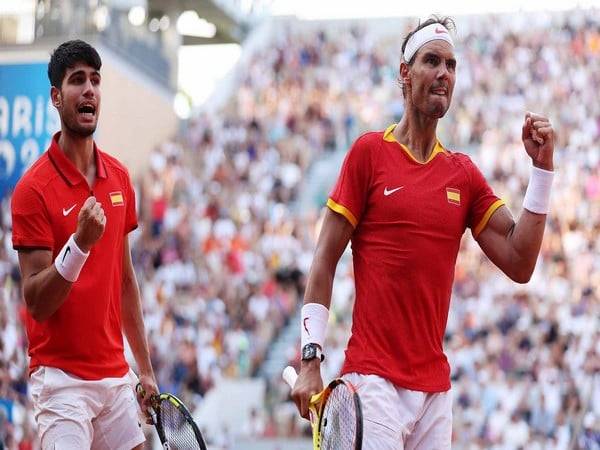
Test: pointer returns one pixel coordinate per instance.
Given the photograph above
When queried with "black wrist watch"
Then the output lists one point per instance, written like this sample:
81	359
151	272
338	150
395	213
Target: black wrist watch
312	351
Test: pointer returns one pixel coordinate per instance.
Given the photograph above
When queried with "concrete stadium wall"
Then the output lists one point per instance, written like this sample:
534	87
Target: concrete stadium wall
137	113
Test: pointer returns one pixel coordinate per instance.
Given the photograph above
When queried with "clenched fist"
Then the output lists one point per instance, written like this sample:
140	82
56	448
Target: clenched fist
538	139
90	224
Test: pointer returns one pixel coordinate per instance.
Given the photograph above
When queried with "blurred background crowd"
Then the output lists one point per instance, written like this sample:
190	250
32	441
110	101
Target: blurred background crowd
227	232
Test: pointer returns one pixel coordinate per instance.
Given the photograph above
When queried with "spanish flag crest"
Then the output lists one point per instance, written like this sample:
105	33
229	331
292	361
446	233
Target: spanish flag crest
116	198
453	195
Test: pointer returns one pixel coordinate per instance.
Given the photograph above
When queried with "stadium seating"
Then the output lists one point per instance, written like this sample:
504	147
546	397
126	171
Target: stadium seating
225	244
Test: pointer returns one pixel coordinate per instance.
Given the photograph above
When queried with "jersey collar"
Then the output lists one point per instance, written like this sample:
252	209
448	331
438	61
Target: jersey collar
388	136
67	169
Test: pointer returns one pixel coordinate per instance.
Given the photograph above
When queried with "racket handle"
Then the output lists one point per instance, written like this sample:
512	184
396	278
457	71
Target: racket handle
290	376
140	390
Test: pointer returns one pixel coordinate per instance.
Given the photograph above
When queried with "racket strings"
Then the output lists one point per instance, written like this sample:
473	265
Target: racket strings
178	431
338	423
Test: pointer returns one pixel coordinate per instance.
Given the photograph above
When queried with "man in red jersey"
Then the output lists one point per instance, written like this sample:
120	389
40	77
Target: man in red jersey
72	211
405	201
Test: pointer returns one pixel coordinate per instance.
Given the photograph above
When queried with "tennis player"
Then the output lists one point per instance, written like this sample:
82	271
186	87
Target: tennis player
72	212
404	200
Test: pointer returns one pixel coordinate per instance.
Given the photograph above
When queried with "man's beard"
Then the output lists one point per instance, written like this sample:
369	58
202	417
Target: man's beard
78	130
436	111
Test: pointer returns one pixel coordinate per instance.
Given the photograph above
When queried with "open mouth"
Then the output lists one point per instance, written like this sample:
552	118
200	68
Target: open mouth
440	91
87	110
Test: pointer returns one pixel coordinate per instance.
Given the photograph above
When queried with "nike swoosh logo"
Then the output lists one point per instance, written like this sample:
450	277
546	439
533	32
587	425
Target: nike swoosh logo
67	211
439	31
62	263
387	191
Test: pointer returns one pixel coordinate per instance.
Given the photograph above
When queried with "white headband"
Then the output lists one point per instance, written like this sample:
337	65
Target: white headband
432	32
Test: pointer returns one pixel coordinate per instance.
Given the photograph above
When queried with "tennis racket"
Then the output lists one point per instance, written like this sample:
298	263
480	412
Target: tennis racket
335	415
173	422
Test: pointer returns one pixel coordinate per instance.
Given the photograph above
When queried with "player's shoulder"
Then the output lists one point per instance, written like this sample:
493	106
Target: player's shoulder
31	188
371	136
369	140
461	160
113	164
37	176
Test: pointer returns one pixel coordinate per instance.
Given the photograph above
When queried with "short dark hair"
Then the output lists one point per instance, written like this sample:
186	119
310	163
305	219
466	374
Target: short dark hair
446	21
66	55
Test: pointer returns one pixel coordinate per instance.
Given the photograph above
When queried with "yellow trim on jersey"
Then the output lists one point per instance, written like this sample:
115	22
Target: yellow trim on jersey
486	217
343	211
388	136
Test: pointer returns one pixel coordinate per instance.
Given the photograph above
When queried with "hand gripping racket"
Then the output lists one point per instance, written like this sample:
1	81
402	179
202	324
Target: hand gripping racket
173	422
335	415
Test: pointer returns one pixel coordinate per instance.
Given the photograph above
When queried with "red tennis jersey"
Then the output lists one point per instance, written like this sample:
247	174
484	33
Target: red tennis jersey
409	218
83	337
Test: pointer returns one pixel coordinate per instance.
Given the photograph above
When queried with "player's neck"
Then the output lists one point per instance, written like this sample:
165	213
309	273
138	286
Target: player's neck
80	151
418	133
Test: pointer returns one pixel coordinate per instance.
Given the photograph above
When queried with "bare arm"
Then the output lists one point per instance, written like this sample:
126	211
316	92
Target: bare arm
133	327
44	289
514	247
333	239
131	313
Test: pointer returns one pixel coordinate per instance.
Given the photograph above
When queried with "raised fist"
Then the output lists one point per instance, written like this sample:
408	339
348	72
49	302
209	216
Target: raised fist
538	139
90	224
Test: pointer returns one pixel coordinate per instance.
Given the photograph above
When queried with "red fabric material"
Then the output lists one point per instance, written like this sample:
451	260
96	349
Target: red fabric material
404	249
83	336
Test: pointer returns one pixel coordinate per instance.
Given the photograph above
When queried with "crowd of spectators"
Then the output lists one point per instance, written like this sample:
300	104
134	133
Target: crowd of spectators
525	358
223	245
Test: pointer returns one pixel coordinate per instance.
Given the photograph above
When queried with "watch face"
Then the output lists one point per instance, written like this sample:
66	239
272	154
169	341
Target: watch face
309	352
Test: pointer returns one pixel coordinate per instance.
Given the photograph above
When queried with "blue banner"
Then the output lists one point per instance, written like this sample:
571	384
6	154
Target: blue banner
27	119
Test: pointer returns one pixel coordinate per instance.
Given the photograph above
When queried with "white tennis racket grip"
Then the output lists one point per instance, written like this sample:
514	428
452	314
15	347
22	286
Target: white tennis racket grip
290	376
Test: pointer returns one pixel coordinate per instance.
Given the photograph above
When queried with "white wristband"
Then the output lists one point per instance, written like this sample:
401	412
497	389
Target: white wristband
313	324
537	196
70	260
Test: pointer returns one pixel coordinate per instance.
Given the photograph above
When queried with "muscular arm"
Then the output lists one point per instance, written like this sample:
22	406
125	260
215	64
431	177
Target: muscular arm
333	239
513	246
131	313
44	288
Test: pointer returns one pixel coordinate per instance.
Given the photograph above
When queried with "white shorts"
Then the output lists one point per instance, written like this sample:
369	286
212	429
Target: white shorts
400	419
76	414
